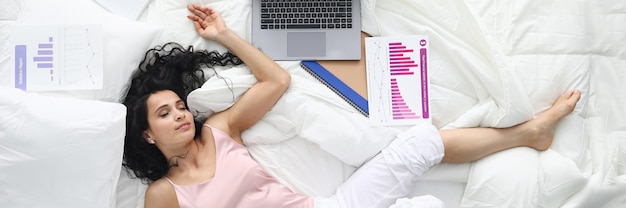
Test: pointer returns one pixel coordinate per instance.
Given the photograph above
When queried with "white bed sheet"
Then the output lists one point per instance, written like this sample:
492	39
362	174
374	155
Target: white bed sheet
494	63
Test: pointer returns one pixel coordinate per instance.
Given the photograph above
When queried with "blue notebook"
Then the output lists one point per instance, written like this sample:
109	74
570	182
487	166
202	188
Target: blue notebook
335	84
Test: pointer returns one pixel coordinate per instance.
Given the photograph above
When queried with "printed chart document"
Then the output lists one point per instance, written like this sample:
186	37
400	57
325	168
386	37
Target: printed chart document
397	80
57	57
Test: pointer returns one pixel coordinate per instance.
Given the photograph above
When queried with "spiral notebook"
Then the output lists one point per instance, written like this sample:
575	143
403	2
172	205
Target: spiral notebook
335	84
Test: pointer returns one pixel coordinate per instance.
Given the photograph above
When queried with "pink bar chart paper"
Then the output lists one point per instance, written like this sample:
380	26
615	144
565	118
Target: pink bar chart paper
398	85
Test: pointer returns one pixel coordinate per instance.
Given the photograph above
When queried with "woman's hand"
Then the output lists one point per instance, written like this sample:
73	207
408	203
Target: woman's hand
208	22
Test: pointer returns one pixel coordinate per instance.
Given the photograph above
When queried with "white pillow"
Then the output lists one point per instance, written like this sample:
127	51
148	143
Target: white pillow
124	42
235	13
59	152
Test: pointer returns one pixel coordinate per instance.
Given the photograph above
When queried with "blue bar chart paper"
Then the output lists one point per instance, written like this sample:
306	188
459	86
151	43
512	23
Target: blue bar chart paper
51	57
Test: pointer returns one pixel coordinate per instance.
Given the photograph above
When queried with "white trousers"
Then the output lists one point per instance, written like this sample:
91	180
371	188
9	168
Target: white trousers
386	179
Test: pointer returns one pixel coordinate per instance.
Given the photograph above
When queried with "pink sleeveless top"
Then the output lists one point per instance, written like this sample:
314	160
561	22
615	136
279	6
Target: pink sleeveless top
239	181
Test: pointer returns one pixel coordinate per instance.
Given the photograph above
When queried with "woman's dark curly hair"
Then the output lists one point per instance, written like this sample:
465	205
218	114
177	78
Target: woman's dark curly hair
167	67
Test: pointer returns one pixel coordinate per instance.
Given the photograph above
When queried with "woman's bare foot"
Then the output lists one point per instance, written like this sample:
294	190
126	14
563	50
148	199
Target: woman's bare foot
541	129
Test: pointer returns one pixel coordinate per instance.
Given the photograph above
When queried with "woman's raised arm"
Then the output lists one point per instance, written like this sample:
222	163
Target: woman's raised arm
273	80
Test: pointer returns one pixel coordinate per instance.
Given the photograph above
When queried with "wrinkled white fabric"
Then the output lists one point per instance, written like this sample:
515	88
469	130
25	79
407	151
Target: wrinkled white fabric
427	201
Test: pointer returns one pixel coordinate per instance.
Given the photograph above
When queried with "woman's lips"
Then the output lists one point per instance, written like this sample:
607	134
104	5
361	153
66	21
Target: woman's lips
183	126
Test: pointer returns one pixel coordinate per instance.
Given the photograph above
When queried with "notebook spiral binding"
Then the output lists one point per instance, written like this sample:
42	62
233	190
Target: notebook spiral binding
336	85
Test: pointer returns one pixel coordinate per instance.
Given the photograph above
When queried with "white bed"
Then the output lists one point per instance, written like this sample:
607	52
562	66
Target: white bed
493	63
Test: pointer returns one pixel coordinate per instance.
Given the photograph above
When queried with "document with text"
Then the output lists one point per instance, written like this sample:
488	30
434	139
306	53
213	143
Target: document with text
397	80
57	57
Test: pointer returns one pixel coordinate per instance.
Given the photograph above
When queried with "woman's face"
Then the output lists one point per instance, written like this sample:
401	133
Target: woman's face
169	120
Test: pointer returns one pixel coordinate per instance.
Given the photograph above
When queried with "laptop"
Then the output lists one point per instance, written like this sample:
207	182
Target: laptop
307	29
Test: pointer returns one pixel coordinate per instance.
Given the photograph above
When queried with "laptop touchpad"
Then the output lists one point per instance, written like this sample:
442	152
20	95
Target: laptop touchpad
306	44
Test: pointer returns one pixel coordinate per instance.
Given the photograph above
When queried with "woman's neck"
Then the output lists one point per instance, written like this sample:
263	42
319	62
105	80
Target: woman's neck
194	167
184	157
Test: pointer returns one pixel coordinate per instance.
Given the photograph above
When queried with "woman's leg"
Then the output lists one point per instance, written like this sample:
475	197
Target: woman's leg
391	174
470	144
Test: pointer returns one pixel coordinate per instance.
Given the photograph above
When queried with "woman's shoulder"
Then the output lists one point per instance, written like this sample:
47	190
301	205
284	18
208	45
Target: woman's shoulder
220	122
160	186
161	192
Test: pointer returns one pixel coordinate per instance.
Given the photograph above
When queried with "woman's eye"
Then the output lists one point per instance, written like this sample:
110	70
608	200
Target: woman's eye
164	114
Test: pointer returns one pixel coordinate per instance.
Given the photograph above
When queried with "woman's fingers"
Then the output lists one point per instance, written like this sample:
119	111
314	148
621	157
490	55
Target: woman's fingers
202	12
193	18
198	27
197	11
206	10
196	21
205	20
203	15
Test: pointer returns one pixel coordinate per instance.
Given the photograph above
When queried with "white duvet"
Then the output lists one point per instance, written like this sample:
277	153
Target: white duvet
493	64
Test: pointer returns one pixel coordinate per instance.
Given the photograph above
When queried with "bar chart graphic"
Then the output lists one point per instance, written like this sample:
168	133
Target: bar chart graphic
45	56
399	107
399	62
58	57
397	71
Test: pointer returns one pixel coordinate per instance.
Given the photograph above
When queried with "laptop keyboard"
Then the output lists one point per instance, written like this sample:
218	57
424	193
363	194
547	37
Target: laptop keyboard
306	14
